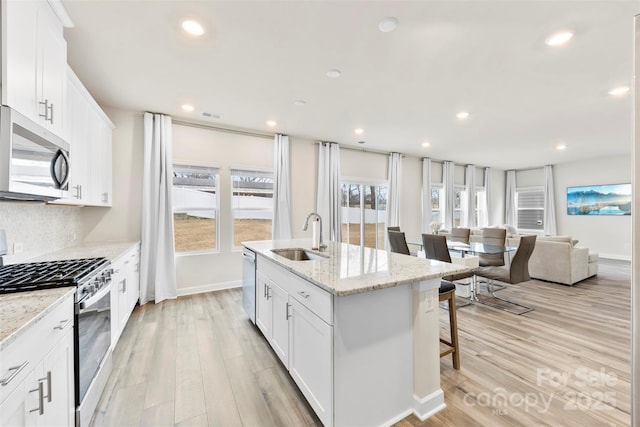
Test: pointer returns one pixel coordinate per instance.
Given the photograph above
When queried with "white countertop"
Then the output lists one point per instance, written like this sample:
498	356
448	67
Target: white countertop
110	250
22	309
350	269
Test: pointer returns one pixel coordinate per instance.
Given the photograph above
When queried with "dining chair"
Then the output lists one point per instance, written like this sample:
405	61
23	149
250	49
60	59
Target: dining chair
435	247
517	271
494	237
398	242
459	234
393	228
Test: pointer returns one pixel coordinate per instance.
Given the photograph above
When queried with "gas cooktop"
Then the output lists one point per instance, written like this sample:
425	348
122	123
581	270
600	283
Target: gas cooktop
50	274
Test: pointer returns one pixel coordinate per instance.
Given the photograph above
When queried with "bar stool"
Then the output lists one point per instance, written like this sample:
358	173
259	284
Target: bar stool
447	292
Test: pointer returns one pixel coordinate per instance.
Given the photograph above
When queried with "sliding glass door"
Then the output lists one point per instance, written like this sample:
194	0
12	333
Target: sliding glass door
364	213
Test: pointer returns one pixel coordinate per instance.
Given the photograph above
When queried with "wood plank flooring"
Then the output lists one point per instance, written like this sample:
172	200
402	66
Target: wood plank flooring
198	361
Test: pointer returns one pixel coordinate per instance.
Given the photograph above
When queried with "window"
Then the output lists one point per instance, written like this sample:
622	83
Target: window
195	208
364	214
436	199
459	196
481	207
530	209
251	204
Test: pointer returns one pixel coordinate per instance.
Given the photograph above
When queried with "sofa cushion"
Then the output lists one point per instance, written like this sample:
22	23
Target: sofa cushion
564	239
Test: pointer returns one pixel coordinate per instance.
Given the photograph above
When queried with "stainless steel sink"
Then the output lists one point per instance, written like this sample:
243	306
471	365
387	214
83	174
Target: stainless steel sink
298	254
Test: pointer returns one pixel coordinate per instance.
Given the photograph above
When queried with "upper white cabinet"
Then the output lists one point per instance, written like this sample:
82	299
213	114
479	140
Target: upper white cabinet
89	135
34	58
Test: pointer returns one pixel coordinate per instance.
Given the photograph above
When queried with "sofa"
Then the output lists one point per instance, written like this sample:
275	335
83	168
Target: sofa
557	259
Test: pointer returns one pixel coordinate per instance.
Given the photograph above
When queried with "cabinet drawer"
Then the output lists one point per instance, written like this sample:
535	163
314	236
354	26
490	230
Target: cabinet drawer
315	299
21	356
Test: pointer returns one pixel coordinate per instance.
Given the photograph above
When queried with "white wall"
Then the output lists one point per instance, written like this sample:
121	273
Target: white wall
610	236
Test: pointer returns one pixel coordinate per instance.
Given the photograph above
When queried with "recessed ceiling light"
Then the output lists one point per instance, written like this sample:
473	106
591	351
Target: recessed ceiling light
299	103
561	147
187	107
619	91
193	27
426	144
388	24
358	131
333	74
559	39
462	115
271	123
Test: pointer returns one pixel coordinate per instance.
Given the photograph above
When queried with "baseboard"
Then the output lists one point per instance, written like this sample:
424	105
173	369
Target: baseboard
427	406
209	288
615	257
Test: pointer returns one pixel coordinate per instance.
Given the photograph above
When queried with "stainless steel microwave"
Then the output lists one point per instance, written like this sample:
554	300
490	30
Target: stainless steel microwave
34	163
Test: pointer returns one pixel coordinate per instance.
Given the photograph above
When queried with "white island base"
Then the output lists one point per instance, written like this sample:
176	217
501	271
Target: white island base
362	343
387	355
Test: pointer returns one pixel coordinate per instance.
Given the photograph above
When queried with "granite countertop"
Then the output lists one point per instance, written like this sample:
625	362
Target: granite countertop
110	250
350	269
22	309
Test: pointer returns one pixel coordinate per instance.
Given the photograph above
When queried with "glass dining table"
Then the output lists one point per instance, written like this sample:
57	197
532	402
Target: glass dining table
474	248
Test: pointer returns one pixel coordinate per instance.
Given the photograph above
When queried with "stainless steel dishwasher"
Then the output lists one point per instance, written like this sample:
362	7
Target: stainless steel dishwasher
249	283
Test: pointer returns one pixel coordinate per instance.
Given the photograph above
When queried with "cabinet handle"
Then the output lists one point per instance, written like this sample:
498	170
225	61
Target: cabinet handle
287	311
304	294
48	380
46	109
268	292
105	197
63	324
16	370
40	390
124	286
51	117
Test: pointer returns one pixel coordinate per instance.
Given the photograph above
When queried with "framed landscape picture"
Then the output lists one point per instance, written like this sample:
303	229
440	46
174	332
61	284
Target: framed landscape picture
599	200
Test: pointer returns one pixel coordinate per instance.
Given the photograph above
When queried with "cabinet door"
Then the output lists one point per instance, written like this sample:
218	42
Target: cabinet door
310	359
77	118
19	23
263	305
59	403
52	78
280	322
13	410
116	310
133	280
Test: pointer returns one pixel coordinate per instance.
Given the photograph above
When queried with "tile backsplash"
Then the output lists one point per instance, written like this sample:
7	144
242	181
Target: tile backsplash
34	229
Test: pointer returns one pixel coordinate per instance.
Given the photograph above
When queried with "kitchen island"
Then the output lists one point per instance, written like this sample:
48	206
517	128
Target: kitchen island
357	328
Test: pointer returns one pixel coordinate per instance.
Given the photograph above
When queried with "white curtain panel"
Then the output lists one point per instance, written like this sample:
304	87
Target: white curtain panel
449	195
157	263
486	200
427	210
281	226
328	203
395	189
510	200
549	203
470	206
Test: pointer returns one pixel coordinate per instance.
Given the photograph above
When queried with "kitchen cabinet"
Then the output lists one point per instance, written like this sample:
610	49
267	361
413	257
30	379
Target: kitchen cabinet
37	372
295	319
34	59
125	290
90	134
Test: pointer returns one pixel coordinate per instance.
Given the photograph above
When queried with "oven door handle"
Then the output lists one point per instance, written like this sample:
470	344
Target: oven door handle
92	299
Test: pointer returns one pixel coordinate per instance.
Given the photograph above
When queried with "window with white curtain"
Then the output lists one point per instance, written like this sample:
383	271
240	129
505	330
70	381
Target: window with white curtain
195	208
481	205
251	204
364	213
437	202
530	208
458	205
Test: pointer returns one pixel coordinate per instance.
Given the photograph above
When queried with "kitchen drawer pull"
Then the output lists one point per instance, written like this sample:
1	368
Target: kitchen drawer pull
304	294
16	370
287	310
63	324
40	390
48	379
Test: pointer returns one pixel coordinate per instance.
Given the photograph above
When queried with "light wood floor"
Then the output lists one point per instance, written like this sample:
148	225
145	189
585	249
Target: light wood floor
198	361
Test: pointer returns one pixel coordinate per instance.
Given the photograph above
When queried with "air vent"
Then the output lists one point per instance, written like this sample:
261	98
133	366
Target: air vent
210	115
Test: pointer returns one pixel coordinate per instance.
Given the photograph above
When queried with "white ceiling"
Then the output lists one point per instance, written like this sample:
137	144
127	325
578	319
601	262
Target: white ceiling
402	88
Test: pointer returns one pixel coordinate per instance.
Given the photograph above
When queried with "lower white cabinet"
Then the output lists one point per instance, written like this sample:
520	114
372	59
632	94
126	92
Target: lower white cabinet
125	290
287	313
37	378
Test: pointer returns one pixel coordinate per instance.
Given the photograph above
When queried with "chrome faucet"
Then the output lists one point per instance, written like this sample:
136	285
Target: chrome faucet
322	246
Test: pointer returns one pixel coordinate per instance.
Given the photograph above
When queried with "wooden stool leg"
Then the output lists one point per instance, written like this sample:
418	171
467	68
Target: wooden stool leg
453	326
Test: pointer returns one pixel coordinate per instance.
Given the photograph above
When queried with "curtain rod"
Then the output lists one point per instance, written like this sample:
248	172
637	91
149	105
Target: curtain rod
223	129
